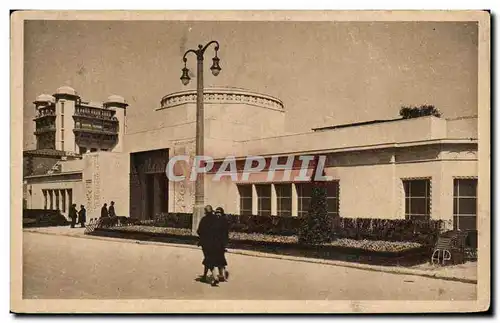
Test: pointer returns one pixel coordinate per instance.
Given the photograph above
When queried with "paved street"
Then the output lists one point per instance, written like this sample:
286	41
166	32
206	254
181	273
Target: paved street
70	267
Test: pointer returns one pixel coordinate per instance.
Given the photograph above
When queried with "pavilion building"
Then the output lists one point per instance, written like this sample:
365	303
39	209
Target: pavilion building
423	167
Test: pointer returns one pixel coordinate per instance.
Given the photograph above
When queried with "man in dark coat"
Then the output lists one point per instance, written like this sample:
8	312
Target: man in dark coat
73	214
104	211
82	216
211	241
111	210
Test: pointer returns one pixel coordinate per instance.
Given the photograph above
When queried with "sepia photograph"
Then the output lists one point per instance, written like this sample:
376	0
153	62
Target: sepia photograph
250	161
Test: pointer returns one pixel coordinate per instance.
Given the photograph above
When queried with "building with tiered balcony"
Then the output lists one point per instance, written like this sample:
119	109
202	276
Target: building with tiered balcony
67	128
65	122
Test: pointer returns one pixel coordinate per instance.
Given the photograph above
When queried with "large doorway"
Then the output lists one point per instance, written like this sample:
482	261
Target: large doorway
148	184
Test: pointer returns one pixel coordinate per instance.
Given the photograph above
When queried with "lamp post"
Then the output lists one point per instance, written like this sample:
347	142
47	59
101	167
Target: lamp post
199	190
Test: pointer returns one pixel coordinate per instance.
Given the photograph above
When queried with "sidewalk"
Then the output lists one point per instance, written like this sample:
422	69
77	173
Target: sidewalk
466	273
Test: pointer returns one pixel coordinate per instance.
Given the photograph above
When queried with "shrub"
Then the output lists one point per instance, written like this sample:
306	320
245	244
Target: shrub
408	112
316	227
43	218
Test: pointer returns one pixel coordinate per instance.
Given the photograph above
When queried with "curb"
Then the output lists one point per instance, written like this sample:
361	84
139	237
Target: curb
390	270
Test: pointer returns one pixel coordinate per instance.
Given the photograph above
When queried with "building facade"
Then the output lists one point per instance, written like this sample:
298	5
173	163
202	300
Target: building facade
403	168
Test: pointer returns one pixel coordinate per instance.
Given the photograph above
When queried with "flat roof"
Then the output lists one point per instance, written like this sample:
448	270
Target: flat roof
362	123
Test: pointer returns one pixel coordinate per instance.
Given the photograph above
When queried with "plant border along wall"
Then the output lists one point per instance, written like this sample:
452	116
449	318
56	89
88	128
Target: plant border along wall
424	232
33	218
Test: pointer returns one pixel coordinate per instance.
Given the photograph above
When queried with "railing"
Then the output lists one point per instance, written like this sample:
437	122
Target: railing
95	113
109	222
45	112
94	129
45	129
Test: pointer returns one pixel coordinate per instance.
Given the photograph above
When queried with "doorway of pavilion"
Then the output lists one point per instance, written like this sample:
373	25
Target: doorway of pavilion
148	184
156	194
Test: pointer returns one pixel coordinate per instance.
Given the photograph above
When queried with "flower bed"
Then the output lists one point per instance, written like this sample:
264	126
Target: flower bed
397	230
370	245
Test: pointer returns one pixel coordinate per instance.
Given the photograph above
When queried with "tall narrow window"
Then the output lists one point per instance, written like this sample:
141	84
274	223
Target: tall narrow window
51	196
63	201
245	192
332	193
304	191
284	199
464	204
56	192
417	199
44	199
70	198
263	199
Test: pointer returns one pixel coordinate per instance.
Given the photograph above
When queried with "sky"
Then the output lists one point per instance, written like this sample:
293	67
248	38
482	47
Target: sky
326	73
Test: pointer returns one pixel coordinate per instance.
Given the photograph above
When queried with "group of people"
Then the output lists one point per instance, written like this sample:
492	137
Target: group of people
105	212
80	215
213	232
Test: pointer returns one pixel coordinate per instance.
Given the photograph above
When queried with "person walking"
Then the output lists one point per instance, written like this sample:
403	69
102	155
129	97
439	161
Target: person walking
210	242
223	227
73	215
104	211
82	216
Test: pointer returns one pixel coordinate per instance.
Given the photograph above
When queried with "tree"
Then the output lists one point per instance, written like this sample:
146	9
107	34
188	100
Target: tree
409	112
316	226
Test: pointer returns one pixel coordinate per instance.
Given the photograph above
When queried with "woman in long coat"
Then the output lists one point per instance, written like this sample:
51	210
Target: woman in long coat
221	255
211	240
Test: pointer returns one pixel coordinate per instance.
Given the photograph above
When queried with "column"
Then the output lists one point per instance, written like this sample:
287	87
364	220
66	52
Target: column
255	198
274	200
295	201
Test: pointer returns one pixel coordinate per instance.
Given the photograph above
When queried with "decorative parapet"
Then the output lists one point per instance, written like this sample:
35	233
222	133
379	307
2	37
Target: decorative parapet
222	95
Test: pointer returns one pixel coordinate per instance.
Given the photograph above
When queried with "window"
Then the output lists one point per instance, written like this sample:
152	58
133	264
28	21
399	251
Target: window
304	192
63	202
51	200
464	204
44	199
245	192
70	197
332	193
284	199
56	192
417	199
263	199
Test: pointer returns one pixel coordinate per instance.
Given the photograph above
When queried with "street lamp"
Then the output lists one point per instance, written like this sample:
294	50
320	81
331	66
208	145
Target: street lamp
199	190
